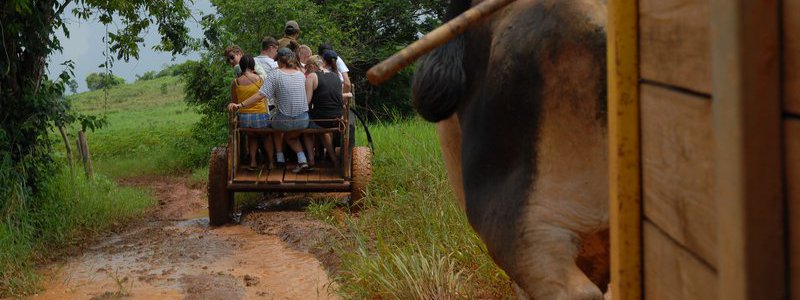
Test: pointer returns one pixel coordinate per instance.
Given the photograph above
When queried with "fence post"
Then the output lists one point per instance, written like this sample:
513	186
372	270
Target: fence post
85	155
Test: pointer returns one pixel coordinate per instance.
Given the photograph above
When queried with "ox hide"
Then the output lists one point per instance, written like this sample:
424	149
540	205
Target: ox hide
520	105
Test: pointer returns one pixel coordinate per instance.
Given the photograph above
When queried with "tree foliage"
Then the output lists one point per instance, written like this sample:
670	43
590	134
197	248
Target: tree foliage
97	81
31	103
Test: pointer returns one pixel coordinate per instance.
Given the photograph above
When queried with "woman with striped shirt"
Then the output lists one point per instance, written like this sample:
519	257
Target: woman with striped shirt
287	86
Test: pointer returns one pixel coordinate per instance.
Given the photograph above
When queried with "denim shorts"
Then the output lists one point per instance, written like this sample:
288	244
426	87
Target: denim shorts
286	123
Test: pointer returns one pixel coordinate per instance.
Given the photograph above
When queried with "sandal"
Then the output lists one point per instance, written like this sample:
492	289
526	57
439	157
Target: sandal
252	168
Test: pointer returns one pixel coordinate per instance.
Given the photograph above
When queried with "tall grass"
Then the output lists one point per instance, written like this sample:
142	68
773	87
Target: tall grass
69	209
149	129
414	241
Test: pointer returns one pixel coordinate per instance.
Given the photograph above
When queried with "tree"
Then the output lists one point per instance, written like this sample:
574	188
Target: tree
73	85
30	102
149	75
96	81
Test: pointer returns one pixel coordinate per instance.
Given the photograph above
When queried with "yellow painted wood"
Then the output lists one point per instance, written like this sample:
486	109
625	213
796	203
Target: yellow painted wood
748	161
791	133
624	158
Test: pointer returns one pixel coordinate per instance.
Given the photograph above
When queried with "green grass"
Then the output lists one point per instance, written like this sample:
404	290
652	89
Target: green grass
70	209
413	241
148	132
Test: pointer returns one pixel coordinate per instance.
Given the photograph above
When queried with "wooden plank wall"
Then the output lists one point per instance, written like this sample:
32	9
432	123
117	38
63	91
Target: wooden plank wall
791	72
679	202
680	232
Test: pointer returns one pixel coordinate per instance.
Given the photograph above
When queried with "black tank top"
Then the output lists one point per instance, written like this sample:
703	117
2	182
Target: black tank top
326	103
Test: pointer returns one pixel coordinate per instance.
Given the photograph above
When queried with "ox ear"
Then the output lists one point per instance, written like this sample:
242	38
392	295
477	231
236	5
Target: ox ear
439	80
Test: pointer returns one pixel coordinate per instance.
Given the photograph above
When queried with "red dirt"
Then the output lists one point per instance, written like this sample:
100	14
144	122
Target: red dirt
174	254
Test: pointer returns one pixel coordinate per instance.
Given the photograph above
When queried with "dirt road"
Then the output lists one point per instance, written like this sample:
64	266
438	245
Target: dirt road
173	254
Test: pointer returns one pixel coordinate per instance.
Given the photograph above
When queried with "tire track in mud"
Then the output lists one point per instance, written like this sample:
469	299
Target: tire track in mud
174	254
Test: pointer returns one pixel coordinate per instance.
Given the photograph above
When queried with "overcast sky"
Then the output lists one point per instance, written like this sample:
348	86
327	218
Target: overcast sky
85	48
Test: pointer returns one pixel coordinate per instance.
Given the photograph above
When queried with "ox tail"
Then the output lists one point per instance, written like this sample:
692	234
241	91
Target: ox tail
439	81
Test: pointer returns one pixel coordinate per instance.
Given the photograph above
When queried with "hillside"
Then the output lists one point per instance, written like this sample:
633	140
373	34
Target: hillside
147	122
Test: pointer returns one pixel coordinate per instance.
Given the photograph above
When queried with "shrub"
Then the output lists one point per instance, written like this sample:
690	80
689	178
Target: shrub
149	75
95	81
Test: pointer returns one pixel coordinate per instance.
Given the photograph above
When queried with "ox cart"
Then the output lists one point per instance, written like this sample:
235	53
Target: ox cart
228	174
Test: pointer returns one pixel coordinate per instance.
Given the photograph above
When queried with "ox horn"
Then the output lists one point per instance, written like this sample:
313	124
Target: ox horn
439	36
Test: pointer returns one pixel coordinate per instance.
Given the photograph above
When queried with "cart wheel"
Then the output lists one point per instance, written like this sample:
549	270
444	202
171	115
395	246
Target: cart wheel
362	175
220	199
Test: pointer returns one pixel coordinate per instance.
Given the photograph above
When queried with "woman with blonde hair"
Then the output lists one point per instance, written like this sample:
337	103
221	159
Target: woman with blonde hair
324	93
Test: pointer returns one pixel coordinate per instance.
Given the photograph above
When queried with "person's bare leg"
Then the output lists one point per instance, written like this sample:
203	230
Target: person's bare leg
278	141
252	147
327	141
293	139
308	140
268	145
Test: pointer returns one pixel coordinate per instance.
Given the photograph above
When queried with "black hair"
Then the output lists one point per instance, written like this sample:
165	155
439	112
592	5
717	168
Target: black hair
330	57
247	63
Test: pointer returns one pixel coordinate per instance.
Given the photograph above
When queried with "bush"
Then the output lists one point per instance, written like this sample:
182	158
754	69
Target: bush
149	75
95	81
171	70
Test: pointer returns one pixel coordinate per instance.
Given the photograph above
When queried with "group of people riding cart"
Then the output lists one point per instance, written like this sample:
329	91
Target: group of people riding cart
288	89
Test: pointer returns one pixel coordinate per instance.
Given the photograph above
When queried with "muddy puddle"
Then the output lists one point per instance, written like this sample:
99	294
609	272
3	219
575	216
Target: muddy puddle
274	253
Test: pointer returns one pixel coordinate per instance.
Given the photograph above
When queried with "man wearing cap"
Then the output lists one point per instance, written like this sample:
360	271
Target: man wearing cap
291	31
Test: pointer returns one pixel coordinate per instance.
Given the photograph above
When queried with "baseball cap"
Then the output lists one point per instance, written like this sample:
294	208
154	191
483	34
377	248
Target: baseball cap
292	24
329	54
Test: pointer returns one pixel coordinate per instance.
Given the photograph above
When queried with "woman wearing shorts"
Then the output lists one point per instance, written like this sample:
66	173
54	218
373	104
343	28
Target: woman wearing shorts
256	116
287	86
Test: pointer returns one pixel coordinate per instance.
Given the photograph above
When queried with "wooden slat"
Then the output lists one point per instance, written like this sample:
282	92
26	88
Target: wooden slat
271	130
313	176
678	170
623	139
791	51
275	175
792	144
673	273
331	175
748	161
288	176
242	174
674	43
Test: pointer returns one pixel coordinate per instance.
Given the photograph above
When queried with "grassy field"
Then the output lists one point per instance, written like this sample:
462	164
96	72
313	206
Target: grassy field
414	241
149	130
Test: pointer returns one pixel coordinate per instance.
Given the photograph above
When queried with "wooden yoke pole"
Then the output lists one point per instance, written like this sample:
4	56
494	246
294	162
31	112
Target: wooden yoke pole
439	36
624	157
